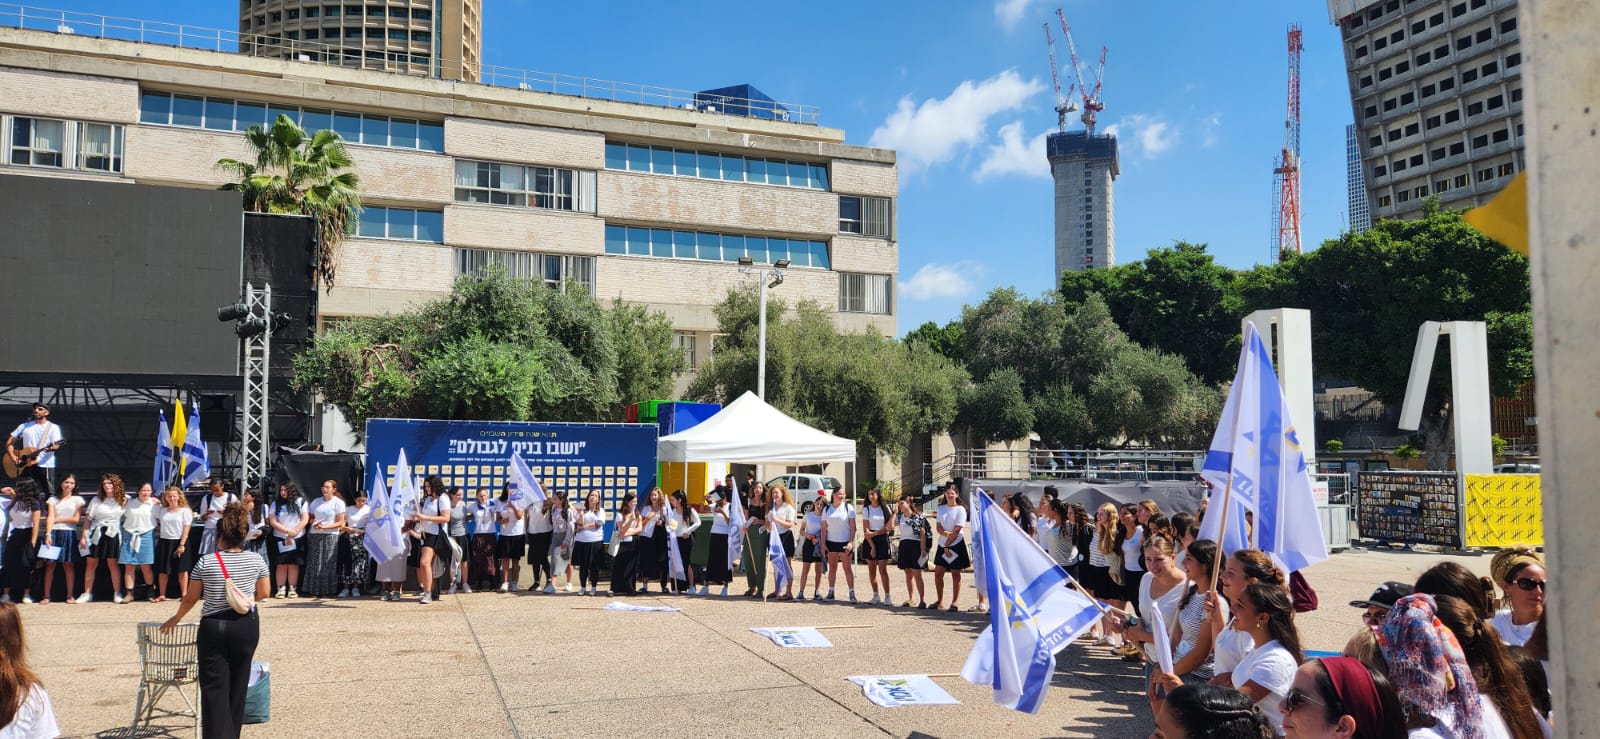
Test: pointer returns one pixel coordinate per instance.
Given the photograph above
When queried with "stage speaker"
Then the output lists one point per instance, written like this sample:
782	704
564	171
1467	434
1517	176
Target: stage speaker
216	417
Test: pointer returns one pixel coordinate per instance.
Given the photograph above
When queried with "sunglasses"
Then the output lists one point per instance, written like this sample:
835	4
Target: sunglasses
1528	584
1297	699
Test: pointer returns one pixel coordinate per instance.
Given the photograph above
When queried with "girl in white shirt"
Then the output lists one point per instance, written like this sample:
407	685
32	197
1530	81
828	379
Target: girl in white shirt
839	535
952	554
63	513
432	517
288	519
102	532
138	539
717	569
652	541
811	553
682	521
25	522
561	533
483	519
1519	572
174	516
539	535
1161	589
1265	674
513	538
328	515
588	543
31	717
211	511
780	517
354	575
875	543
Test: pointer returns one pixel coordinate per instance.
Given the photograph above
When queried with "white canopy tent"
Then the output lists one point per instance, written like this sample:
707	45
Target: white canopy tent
749	430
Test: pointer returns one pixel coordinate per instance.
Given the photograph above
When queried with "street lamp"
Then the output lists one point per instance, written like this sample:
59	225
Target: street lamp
775	272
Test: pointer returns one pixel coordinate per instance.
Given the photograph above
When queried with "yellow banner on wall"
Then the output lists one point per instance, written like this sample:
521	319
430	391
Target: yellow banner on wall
1503	510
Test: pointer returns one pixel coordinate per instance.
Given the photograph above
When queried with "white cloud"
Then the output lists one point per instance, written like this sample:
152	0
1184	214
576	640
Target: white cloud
1015	154
931	132
934	281
1211	130
1150	135
1008	12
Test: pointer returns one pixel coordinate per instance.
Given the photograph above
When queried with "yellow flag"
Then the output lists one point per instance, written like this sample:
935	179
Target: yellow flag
180	432
1505	218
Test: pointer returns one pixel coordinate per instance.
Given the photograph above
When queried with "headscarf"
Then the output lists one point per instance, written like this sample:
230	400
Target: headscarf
1428	667
1358	694
1512	559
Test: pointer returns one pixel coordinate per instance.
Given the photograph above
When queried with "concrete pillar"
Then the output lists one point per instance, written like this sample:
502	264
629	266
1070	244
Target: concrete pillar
1562	114
1287	334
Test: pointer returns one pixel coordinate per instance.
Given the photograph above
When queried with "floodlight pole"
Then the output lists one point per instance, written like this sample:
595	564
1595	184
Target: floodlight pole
255	434
776	273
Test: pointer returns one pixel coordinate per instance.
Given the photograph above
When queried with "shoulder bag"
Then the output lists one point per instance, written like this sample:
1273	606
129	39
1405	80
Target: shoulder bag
237	600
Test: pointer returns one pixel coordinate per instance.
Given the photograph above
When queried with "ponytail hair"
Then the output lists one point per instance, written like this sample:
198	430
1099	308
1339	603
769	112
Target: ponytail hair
1256	564
1449	578
1214	711
1497	674
1274	603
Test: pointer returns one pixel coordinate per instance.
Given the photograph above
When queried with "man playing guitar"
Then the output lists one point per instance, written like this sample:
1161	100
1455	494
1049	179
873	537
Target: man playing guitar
37	435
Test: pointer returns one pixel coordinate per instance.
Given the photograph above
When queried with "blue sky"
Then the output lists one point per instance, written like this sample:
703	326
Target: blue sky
1195	92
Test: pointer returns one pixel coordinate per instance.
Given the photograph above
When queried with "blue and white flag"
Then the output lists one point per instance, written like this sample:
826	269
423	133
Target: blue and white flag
1255	460
525	489
980	576
674	558
196	458
166	467
384	539
1031	615
782	573
403	497
737	521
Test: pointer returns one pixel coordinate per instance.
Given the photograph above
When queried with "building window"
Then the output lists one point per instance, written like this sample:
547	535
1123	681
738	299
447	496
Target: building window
867	216
1507	169
1497	101
1436	154
1428	91
1475	108
1416	160
552	269
1451	116
1462	180
1478	142
1404	196
1423	58
1463	42
1371	111
1484	175
1500	136
1366	81
1441	185
1394	135
1419	27
1385	73
1435	19
550	188
685	341
1389	104
708	165
312	34
1380	171
1508	25
1490	68
1408	98
1513	60
1400	165
1441	51
1411	129
404	224
1402	67
1470	75
1484	35
1420	192
1380	44
1431	123
100	147
714	247
37	142
1384	201
1375	142
861	293
1458	10
222	114
1361	51
313	12
75	145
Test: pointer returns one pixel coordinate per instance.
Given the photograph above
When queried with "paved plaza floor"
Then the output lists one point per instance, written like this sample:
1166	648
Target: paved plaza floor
533	665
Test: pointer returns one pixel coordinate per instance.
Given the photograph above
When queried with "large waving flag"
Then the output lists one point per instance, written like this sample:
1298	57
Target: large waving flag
674	559
403	497
180	434
737	520
384	539
525	489
194	459
1031	615
1255	460
782	573
980	572
166	467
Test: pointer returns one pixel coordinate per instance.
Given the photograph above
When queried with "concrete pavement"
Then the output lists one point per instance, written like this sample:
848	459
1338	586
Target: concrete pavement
527	665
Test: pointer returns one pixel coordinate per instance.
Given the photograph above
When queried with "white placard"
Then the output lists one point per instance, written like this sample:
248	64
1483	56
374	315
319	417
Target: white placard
794	637
891	691
1163	643
1319	490
618	605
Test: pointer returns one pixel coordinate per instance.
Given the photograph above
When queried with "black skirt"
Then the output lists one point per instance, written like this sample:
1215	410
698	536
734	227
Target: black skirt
787	537
717	570
876	548
625	567
510	547
959	562
653	554
296	556
168	561
1098	580
910	555
109	547
810	552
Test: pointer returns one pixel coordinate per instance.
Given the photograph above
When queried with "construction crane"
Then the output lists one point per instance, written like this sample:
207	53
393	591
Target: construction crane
1286	172
1064	104
1092	105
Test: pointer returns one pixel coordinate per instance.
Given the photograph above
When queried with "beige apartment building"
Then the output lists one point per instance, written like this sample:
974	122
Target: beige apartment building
649	203
437	38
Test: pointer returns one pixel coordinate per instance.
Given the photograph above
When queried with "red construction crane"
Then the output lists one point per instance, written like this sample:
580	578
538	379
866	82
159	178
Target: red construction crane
1286	173
1092	105
1064	104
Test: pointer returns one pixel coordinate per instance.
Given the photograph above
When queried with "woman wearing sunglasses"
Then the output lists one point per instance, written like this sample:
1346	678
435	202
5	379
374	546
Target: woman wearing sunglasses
1520	573
1340	697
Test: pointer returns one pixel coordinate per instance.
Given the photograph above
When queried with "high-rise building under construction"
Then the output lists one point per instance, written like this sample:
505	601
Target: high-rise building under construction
1084	166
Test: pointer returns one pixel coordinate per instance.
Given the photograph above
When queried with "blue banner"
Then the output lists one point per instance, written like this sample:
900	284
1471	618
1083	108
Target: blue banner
612	458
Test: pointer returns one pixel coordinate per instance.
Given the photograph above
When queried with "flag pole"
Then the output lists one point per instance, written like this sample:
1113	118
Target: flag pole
1227	497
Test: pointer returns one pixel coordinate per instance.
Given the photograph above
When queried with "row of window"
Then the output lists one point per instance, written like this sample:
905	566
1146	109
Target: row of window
222	114
1456	148
1474	107
62	144
1486	174
1377	11
551	188
1468	76
393	34
349	11
405	224
714	166
715	247
553	269
1444	85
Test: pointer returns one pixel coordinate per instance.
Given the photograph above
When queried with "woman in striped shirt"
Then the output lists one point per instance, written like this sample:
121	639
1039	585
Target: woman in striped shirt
227	639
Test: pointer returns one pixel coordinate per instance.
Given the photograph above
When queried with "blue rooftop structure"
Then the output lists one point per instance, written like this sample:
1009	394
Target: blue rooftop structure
740	100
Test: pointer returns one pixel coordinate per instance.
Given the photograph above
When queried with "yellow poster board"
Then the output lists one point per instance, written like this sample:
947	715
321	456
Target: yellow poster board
1503	510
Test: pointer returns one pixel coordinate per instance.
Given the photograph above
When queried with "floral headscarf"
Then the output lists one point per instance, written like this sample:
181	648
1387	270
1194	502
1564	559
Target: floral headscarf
1428	667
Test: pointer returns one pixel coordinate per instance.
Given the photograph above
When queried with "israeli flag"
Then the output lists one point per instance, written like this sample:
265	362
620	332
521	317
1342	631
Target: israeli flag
166	467
384	540
1031	615
980	570
525	489
737	520
404	496
782	573
674	559
196	458
1256	463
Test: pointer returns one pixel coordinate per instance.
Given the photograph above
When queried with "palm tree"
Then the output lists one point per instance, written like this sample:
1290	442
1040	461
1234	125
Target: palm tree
300	174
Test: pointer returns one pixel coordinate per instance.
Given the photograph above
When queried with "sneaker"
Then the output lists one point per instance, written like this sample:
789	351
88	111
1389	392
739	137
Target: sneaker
569	586
393	595
451	591
874	601
853	597
293	593
116	598
505	587
705	590
466	589
87	597
427	598
724	592
830	593
26	599
801	596
549	588
283	591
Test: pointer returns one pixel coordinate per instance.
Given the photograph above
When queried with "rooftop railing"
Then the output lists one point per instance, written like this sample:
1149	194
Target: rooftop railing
392	61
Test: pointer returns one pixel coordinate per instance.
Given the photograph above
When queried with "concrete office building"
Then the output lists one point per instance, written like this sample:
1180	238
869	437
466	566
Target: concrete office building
423	37
653	204
1436	87
1084	167
1356	181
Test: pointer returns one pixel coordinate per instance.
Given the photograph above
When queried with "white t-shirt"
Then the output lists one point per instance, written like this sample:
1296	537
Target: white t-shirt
784	512
139	516
483	517
510	524
106	514
67	508
838	522
680	525
596	519
285	516
720	525
538	522
35	435
1132	549
813	523
876	518
1167	604
174	522
326	512
357	518
435	506
211	508
647	514
21	519
1272	667
950	517
35	718
1512	634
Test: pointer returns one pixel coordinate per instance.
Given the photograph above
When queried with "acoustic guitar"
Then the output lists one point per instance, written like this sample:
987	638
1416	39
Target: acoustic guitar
17	461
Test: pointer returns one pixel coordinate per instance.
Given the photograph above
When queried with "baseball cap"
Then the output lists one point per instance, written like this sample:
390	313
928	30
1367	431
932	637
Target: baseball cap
41	406
1385	596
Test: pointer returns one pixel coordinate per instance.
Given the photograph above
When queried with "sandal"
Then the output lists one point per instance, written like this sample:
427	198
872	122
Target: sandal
906	604
977	609
785	597
923	605
954	608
